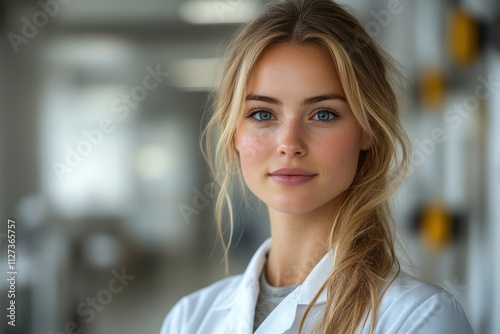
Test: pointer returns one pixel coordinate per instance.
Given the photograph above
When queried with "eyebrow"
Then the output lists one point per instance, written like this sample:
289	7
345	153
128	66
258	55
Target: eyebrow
306	102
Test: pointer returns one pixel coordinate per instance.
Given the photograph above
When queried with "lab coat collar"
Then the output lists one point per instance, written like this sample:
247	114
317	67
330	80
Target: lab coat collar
248	289
315	280
250	279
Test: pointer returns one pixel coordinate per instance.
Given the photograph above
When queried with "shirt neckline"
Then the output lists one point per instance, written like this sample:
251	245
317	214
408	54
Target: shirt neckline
249	287
269	290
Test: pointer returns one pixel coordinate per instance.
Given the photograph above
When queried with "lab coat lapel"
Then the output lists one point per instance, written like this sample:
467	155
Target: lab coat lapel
315	281
241	317
286	316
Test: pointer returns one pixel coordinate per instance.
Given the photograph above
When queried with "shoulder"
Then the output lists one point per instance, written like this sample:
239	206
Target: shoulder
406	287
190	311
410	305
202	311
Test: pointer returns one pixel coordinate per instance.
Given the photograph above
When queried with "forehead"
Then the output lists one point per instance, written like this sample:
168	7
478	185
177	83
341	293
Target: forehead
290	69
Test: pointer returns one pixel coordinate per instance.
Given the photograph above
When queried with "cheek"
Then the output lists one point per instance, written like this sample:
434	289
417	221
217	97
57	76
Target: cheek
252	146
343	151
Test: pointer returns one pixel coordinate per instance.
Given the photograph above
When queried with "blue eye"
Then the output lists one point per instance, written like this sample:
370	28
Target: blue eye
261	115
325	116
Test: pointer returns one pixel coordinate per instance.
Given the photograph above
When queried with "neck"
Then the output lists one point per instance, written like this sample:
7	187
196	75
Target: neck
299	243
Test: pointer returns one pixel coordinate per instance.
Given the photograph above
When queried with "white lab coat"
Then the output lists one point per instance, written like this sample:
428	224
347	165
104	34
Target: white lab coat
228	306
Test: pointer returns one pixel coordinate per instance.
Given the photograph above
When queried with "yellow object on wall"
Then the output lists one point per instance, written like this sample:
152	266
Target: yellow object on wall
432	88
436	226
464	37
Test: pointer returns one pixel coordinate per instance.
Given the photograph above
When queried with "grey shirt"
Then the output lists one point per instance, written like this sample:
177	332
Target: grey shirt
269	298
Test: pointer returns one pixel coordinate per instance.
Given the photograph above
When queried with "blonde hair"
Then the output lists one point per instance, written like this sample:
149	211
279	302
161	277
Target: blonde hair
361	232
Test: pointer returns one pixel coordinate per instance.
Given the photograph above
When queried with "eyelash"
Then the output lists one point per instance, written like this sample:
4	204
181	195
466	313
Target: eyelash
255	111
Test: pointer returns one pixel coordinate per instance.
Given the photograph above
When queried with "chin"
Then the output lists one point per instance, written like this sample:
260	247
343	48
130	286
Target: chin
300	206
295	208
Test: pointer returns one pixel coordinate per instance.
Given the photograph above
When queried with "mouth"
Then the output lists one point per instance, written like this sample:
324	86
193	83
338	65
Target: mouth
292	172
292	176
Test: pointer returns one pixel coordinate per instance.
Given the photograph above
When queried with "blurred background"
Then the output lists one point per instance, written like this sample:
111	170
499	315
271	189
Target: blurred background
101	106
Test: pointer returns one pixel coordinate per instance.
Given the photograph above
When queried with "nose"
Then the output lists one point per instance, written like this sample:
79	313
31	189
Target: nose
291	141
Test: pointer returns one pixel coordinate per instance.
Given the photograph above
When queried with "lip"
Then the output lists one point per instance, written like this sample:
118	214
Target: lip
292	176
292	172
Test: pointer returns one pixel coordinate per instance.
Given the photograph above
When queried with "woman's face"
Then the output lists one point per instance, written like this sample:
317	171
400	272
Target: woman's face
296	119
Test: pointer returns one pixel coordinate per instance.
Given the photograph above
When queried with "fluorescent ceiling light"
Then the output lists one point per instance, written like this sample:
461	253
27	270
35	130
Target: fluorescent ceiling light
91	50
217	12
194	74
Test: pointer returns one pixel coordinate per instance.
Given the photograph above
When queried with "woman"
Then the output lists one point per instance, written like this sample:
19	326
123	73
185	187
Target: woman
306	118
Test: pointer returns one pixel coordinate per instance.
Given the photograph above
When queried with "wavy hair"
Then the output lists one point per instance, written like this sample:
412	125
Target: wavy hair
361	235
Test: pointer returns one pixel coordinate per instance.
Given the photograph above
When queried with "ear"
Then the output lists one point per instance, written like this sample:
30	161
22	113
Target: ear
235	142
